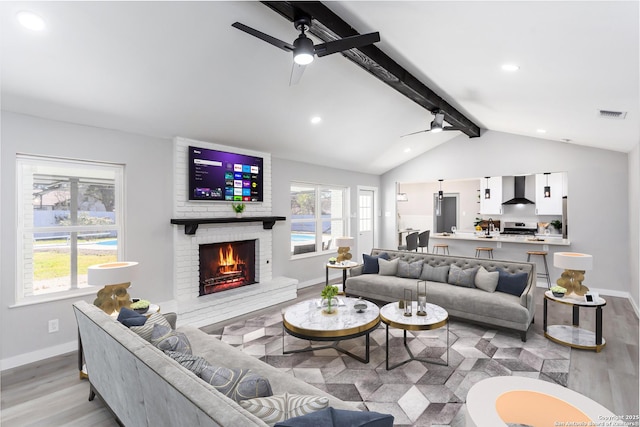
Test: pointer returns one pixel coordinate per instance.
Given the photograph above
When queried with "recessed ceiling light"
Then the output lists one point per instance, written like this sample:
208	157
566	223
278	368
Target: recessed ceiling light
316	119
30	20
510	67
541	131
407	150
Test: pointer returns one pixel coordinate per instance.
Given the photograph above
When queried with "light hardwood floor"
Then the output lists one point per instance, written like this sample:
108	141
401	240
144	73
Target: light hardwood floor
49	393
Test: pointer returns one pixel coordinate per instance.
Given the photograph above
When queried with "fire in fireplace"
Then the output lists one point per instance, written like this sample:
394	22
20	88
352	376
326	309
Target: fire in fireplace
227	265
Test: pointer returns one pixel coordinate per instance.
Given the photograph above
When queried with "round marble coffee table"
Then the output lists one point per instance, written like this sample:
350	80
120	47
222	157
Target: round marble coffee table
392	315
306	320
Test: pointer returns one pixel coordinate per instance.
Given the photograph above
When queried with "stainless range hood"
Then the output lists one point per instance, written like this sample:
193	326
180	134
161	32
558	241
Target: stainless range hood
518	193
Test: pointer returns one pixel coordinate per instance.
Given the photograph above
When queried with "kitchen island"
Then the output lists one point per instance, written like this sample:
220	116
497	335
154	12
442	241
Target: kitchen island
506	247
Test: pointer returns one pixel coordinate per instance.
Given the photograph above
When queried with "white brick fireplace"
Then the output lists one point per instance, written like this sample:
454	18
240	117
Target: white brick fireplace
207	309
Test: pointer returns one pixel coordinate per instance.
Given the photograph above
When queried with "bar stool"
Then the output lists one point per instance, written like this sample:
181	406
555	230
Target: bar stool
480	250
546	275
437	246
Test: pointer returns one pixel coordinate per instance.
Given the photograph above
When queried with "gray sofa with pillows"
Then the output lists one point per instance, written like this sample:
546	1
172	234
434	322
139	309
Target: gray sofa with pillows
149	374
487	291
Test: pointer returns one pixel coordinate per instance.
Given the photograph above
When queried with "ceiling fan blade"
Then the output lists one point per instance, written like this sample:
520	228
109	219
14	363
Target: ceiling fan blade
265	37
346	43
414	133
296	73
450	128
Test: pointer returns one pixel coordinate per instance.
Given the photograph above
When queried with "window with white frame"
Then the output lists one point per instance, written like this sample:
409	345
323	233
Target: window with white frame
318	217
69	217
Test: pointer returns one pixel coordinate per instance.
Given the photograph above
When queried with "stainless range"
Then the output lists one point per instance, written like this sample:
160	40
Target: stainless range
519	228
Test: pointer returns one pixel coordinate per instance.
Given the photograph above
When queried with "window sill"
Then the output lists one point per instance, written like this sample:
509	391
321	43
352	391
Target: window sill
57	296
312	255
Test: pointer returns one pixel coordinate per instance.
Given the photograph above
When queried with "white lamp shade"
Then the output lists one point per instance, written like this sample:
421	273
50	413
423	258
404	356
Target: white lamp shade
344	242
573	261
112	273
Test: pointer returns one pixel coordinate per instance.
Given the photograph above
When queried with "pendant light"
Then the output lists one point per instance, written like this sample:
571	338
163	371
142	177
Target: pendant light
487	191
439	200
547	189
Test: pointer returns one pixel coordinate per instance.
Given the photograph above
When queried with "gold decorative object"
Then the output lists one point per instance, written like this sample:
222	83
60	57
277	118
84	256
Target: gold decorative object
575	265
116	278
344	244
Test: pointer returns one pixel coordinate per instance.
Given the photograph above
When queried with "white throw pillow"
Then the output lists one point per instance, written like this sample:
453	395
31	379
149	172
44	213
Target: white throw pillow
485	280
388	268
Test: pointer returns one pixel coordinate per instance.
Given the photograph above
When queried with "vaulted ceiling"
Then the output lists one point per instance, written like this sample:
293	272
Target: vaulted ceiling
179	69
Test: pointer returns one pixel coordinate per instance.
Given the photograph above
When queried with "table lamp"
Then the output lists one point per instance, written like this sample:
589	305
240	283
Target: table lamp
343	244
575	264
116	278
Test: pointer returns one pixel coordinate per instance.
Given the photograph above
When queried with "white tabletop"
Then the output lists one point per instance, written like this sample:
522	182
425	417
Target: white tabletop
482	410
343	265
574	299
307	318
393	315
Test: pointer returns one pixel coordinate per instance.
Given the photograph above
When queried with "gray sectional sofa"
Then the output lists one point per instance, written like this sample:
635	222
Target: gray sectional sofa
497	308
142	386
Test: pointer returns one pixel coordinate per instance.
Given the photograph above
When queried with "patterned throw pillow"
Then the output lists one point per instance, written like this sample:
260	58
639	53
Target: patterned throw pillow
283	406
238	384
166	339
410	270
388	268
485	280
460	277
435	274
195	364
145	330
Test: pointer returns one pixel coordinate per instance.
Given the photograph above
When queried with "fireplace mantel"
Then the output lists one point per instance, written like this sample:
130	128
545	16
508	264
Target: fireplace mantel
191	225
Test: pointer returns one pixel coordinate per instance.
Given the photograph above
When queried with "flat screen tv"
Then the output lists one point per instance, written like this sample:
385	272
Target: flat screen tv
222	176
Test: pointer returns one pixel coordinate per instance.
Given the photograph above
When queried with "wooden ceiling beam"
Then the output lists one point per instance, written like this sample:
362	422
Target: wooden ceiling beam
328	26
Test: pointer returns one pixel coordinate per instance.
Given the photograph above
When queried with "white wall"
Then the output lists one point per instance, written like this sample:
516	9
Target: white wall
307	270
148	183
634	223
598	191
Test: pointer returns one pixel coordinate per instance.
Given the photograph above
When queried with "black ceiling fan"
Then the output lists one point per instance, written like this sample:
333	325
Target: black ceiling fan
303	48
437	125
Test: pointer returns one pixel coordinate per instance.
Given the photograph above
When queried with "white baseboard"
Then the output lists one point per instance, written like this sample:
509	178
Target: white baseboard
36	356
317	280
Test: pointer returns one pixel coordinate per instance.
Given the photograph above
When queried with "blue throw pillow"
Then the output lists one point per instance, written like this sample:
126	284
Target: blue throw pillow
339	418
131	318
513	284
371	263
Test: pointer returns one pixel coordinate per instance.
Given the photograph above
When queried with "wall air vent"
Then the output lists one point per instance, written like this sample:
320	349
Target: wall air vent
608	114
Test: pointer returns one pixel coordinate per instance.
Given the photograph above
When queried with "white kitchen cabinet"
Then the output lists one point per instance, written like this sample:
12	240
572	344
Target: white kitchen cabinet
549	205
493	205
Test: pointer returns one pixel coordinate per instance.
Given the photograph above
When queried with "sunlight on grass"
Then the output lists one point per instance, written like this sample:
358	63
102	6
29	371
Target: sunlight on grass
55	263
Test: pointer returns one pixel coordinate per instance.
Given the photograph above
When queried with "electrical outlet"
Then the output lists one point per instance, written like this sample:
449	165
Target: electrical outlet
53	326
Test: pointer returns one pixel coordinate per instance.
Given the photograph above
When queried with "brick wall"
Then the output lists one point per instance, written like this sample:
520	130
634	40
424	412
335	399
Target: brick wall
208	309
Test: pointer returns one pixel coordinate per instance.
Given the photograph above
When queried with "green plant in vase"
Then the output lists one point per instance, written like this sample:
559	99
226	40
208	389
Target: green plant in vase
557	224
238	209
328	293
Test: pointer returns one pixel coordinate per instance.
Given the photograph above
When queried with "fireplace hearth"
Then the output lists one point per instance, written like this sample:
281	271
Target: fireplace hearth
227	265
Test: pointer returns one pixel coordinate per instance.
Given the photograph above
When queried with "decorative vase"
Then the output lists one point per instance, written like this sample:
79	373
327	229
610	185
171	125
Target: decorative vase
238	214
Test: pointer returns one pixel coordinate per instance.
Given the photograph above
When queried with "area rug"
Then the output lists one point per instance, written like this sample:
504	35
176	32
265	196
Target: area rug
417	393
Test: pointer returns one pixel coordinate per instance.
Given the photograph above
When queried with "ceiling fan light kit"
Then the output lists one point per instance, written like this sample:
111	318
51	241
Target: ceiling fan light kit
303	48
